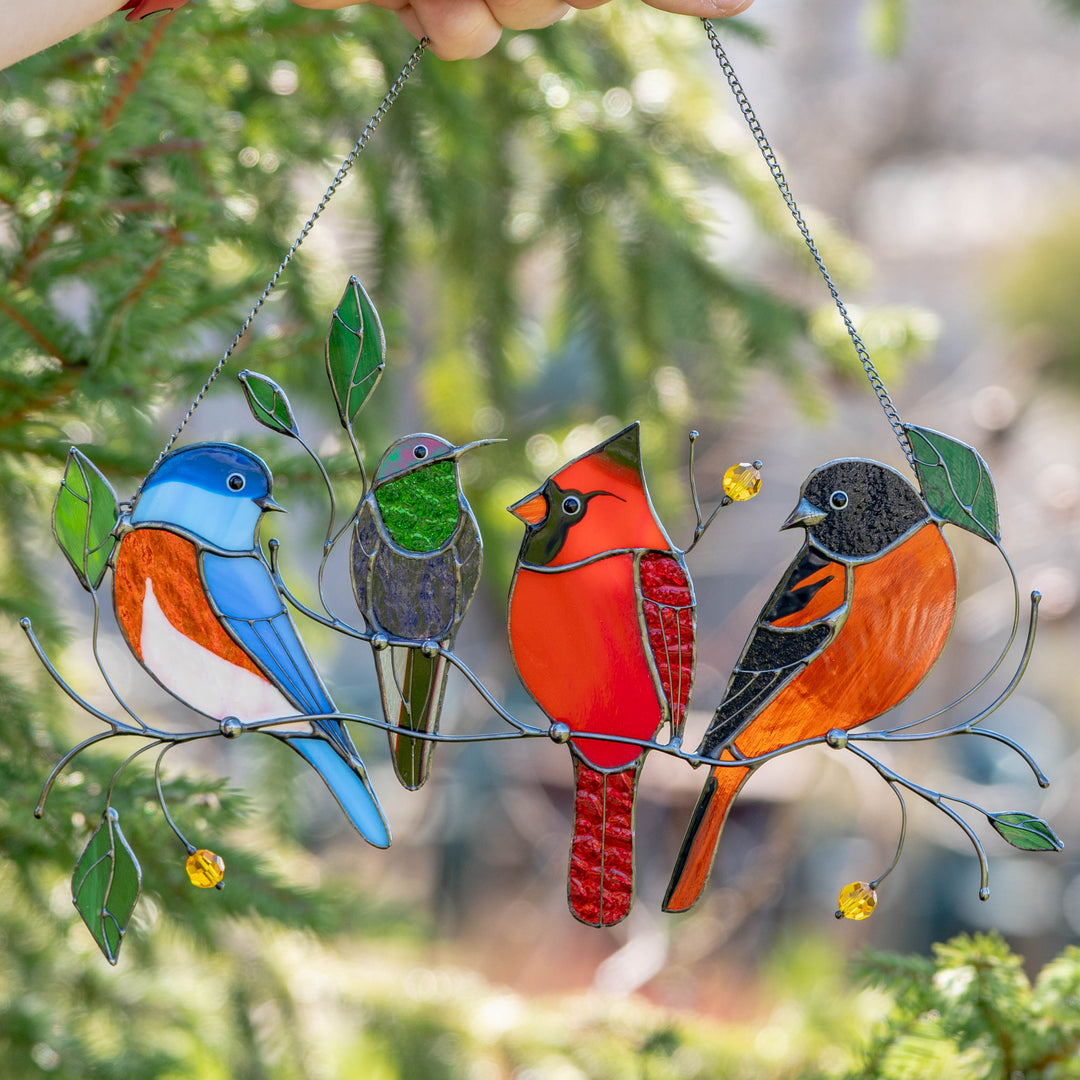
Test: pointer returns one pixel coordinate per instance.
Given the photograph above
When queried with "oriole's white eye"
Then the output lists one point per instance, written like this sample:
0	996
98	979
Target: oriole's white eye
571	505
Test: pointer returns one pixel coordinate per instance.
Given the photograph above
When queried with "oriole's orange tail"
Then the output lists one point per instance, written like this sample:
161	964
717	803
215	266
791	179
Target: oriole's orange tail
601	883
694	864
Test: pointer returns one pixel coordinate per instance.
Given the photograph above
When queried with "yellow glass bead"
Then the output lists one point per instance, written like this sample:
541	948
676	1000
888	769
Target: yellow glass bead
742	482
856	901
205	869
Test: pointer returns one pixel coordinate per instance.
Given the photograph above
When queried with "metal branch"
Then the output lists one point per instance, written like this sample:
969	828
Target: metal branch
123	765
384	725
359	459
118	726
900	843
331	539
59	767
101	667
936	798
483	691
1041	778
702	526
161	801
331	623
1001	658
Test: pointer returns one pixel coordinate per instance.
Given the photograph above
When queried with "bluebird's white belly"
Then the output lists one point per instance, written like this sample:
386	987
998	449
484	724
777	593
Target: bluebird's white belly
201	678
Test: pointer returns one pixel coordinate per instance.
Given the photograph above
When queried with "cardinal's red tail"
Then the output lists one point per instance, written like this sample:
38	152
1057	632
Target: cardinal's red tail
694	864
601	885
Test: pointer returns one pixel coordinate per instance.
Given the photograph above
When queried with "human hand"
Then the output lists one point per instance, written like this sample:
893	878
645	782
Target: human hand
461	29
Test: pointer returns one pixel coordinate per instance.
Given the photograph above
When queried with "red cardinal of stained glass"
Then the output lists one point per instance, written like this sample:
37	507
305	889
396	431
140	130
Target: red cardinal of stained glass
602	634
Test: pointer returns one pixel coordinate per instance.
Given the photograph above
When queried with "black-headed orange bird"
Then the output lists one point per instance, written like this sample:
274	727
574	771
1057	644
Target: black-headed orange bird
602	634
855	624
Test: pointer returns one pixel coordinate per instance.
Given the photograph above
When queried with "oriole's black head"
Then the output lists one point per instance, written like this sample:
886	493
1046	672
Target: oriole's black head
857	509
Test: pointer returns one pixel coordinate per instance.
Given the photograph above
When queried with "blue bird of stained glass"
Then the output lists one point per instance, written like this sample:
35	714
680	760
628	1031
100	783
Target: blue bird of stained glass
197	604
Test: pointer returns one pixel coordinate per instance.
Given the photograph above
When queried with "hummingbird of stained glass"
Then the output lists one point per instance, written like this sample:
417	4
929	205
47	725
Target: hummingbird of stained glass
415	559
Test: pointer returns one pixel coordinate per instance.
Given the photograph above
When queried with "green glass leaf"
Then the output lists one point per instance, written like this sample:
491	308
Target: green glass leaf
268	403
955	481
355	351
1026	831
105	885
85	514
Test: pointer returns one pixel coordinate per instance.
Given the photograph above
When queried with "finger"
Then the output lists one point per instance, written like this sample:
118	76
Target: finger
323	5
527	14
459	30
705	9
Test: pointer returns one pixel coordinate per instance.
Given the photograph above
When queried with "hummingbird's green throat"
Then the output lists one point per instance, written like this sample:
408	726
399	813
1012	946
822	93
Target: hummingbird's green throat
420	509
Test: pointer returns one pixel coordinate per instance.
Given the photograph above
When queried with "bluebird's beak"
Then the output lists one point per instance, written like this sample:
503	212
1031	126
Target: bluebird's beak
805	514
267	503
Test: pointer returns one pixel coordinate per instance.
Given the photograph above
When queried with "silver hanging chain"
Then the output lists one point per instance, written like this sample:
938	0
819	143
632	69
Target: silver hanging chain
767	153
781	182
369	130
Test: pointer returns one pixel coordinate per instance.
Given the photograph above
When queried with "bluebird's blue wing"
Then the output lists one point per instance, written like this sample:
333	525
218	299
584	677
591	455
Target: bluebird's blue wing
244	596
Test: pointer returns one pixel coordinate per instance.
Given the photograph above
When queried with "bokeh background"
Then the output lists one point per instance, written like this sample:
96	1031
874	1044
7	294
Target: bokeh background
571	233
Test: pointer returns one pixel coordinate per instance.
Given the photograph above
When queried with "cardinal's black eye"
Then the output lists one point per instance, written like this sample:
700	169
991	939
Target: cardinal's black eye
236	482
838	500
420	452
571	505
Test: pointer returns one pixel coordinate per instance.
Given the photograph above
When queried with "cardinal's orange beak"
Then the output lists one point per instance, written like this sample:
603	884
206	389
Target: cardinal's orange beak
532	509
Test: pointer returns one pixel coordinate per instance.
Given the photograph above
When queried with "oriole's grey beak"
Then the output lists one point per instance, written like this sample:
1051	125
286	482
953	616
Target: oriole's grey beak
805	514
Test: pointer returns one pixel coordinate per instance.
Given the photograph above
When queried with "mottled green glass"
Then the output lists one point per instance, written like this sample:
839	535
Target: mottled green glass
420	509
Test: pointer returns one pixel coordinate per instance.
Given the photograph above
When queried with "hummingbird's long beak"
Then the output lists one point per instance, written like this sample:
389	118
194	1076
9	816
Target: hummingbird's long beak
267	503
459	450
532	509
805	514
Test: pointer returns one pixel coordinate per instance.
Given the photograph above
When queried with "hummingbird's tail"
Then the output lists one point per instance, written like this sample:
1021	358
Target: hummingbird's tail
601	883
412	687
330	752
695	859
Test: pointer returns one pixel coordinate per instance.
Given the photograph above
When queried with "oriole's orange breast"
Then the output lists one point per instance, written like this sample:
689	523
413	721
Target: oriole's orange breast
902	609
577	643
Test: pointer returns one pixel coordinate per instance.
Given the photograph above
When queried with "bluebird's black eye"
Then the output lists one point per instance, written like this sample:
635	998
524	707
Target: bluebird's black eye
420	452
838	500
571	505
236	482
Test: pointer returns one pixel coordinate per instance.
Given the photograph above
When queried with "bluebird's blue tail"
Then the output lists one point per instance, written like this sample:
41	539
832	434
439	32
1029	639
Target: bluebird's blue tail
346	779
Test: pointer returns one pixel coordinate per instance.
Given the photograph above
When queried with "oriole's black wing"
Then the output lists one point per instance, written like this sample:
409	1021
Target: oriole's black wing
801	617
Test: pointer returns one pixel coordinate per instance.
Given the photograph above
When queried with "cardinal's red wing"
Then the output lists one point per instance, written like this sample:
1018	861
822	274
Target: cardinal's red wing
667	610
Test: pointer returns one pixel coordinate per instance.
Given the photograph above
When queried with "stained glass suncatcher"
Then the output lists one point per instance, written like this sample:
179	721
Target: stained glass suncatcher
602	618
